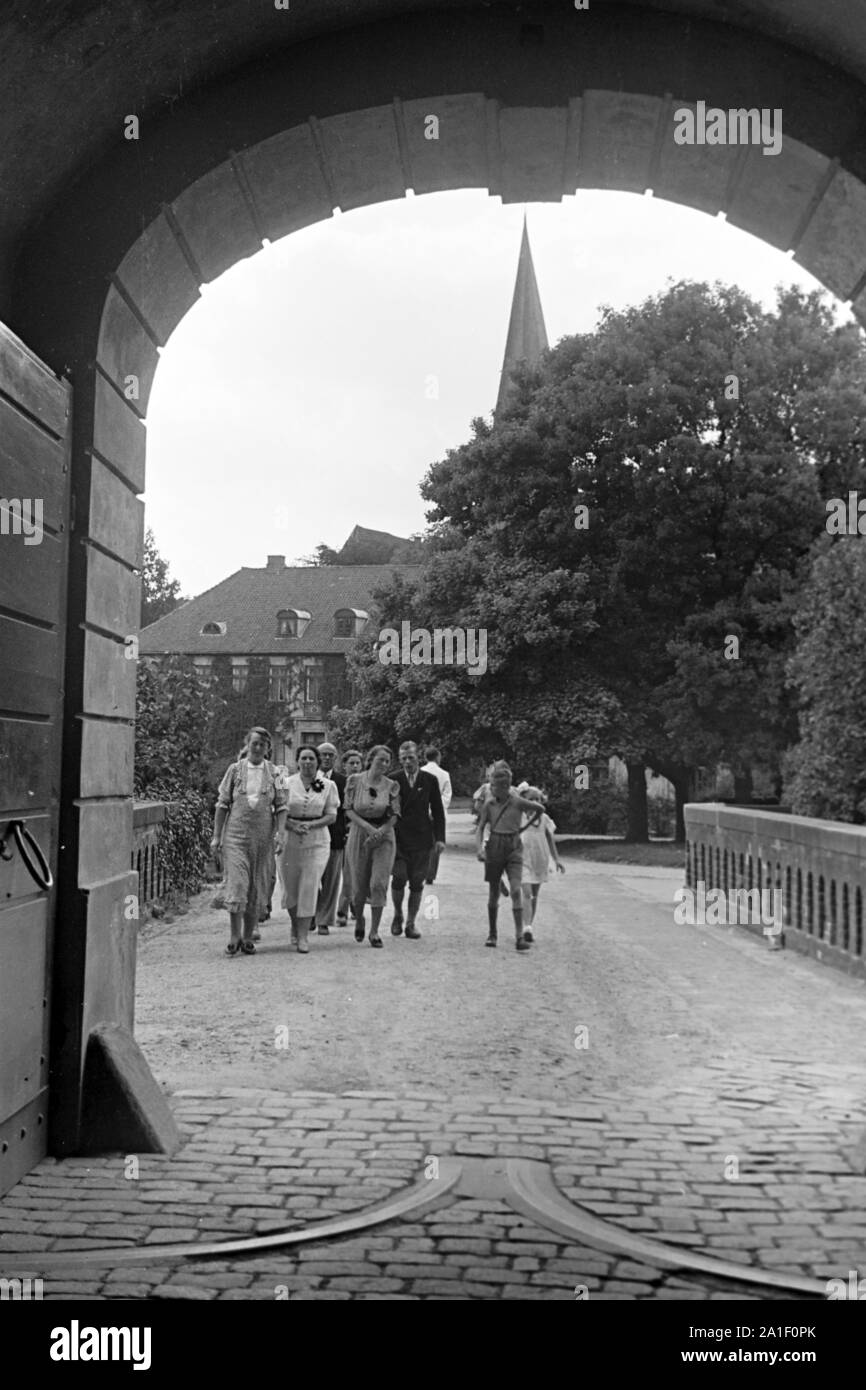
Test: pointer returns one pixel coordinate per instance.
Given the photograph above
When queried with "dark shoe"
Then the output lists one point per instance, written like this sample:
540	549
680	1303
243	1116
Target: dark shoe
491	941
248	948
324	931
397	927
522	944
342	921
233	948
527	936
412	932
375	941
359	931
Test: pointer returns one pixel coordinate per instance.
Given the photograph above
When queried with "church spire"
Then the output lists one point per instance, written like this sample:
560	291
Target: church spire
527	335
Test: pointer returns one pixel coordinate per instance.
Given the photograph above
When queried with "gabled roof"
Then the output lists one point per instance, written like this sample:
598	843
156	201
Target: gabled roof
248	603
366	546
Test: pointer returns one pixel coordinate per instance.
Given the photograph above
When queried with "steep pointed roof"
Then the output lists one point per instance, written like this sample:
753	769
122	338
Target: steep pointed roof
527	335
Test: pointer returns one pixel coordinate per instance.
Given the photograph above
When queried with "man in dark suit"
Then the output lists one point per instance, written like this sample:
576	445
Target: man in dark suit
329	891
421	824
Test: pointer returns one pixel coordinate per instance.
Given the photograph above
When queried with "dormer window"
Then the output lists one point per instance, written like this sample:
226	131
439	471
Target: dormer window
214	630
292	622
350	622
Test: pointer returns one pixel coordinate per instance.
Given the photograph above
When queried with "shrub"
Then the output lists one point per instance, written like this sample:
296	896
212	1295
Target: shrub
599	810
175	715
183	840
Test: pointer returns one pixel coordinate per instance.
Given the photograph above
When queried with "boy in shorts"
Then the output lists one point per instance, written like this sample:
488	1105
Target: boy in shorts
503	812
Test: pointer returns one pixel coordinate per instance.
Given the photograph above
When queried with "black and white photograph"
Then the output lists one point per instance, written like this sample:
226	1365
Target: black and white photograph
433	666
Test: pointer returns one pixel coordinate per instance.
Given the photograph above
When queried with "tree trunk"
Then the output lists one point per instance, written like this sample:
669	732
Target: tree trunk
637	826
743	784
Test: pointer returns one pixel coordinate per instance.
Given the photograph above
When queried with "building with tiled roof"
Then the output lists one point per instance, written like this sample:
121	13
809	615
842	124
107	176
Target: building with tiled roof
294	623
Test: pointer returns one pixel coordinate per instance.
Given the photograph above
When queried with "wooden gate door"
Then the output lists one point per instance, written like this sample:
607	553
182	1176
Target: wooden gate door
35	419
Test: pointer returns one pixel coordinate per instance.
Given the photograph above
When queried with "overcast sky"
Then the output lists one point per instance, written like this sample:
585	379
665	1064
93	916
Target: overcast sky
312	386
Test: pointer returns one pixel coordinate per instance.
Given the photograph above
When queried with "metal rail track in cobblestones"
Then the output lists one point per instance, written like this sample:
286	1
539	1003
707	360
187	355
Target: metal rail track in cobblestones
525	1184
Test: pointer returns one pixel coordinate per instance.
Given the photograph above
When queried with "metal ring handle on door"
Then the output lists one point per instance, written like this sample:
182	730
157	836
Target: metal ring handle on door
42	877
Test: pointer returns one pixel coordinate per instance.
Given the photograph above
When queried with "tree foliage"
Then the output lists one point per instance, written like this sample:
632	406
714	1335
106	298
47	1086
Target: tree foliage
159	593
702	435
175	718
826	771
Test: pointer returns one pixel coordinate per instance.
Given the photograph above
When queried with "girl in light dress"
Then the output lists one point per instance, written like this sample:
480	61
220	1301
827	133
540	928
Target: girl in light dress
539	847
312	803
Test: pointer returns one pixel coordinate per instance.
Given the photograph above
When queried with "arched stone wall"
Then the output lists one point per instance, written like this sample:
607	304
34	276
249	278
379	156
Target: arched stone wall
797	200
99	296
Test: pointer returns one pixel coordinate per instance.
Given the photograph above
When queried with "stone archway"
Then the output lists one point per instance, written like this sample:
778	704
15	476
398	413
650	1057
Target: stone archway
210	189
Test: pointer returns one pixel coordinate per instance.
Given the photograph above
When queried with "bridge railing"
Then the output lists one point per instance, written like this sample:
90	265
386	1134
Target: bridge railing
147	817
817	866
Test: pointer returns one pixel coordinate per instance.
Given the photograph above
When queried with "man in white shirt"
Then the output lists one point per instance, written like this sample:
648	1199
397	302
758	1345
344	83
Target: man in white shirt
432	765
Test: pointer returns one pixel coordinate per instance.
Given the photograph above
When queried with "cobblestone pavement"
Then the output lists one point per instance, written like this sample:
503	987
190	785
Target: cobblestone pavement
718	1106
256	1162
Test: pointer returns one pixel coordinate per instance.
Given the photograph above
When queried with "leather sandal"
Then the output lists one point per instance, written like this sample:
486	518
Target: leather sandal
233	948
375	941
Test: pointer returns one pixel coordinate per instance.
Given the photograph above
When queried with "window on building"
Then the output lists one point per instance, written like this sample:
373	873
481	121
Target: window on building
292	622
349	622
203	666
240	673
279	682
313	679
213	630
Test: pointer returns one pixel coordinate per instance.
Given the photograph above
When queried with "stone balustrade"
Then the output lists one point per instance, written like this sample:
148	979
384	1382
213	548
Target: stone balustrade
818	866
147	817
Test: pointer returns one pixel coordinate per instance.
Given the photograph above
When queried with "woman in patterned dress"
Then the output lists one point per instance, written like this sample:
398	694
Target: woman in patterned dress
248	831
372	803
352	762
312	803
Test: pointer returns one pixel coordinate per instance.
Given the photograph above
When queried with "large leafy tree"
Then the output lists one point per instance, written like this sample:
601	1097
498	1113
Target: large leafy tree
160	594
692	439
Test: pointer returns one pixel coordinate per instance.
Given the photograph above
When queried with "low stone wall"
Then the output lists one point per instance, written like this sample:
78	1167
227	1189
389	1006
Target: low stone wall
147	817
818	866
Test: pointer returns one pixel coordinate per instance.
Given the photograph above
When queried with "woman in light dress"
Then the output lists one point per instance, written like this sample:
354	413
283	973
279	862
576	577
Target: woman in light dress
248	831
312	803
372	802
539	847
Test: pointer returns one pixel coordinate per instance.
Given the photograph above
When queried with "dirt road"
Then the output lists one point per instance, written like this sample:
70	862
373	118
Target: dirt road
656	999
